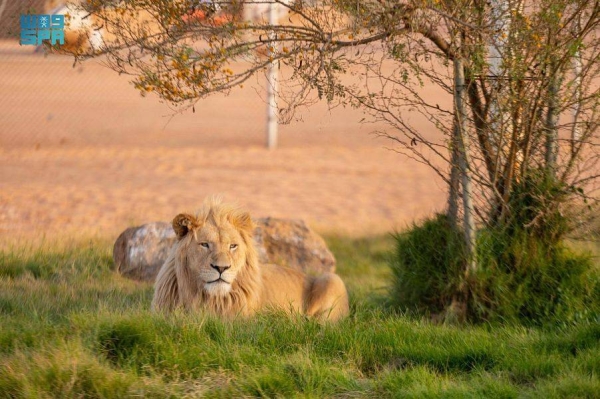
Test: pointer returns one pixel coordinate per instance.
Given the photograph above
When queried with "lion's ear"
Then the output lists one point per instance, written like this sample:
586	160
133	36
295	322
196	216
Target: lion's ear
243	221
182	224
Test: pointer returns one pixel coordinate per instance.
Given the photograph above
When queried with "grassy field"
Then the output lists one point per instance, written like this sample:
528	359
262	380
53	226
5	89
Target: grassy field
71	327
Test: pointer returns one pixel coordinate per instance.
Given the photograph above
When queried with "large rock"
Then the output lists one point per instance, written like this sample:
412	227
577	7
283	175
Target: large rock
293	244
139	252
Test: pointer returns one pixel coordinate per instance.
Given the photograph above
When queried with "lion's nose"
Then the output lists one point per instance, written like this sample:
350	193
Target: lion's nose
220	269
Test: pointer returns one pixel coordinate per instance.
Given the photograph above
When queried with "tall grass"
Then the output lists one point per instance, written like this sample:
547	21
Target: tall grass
71	327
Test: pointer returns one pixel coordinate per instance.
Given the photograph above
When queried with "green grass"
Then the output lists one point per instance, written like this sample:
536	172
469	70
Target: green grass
71	327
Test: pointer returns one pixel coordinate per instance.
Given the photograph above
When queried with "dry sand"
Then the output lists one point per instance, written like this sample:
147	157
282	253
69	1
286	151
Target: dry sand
81	152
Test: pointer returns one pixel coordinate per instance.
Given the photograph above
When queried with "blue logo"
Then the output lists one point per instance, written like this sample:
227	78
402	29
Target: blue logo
37	28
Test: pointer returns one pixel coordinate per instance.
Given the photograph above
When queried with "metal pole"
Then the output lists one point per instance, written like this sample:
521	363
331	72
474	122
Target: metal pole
272	84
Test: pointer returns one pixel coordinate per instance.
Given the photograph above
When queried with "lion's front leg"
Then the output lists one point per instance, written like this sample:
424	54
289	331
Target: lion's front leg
327	298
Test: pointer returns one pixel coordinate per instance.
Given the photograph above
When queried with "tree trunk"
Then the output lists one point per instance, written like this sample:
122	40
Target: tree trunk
498	118
551	123
463	157
452	212
577	69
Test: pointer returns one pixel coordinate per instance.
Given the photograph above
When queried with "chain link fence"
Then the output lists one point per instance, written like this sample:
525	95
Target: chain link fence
51	101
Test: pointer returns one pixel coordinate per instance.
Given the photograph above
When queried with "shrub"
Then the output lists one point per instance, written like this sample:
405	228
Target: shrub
525	271
522	279
428	267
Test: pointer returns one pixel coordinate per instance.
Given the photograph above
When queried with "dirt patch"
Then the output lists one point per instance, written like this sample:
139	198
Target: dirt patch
81	150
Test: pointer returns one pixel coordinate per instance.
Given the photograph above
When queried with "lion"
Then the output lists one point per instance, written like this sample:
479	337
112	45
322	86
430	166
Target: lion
214	267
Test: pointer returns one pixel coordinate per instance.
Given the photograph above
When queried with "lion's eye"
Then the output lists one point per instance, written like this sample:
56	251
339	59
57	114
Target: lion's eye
233	246
204	244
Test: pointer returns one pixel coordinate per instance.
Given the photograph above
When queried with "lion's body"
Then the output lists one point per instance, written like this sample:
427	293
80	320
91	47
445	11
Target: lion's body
214	267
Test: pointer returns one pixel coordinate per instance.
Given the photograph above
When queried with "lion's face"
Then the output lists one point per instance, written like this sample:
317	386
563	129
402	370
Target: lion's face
216	255
215	252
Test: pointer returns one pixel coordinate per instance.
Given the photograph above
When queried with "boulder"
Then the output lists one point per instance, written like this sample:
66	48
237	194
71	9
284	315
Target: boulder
140	251
292	243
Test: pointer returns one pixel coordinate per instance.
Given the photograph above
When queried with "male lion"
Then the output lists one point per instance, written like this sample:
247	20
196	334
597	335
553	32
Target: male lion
214	267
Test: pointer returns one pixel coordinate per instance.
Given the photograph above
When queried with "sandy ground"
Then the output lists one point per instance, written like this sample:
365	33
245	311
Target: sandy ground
81	152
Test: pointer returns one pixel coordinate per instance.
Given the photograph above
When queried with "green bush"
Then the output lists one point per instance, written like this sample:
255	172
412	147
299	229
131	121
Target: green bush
428	267
522	280
525	273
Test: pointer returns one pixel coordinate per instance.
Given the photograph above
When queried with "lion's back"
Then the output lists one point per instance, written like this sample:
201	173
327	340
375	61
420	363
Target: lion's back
283	287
